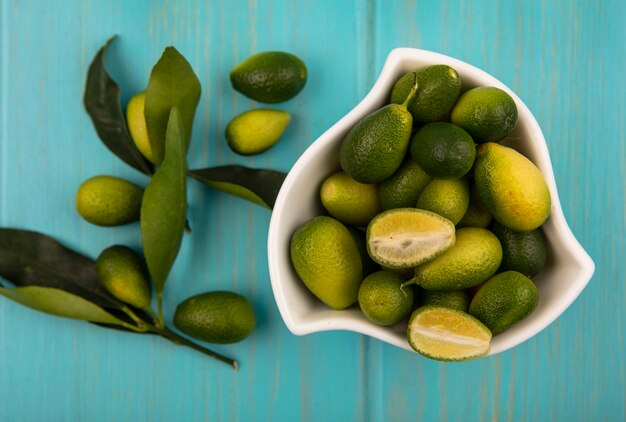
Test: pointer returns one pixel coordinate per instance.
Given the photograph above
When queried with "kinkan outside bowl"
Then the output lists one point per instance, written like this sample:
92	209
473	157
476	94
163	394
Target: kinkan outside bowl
567	271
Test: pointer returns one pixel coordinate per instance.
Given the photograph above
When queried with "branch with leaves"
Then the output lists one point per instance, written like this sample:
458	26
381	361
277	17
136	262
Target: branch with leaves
49	277
54	279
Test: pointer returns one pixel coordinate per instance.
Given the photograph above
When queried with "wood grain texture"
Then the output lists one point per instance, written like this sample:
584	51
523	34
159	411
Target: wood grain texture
565	59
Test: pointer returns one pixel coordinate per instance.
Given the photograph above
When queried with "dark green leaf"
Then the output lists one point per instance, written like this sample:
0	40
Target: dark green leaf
256	185
60	303
164	205
172	84
33	259
102	101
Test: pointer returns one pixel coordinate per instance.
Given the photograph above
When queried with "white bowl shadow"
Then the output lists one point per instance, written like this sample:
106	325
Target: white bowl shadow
568	270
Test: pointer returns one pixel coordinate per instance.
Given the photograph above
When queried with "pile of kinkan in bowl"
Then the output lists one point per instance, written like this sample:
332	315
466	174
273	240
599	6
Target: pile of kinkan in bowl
432	223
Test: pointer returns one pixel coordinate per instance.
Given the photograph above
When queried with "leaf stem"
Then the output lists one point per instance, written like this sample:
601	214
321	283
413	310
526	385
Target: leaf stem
179	340
408	283
142	329
161	321
412	92
133	316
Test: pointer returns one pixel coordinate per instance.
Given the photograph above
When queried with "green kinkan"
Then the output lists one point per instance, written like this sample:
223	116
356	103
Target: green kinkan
375	147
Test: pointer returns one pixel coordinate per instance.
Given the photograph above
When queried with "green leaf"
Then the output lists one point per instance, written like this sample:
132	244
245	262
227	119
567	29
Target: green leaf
33	259
164	205
260	186
102	101
60	303
172	84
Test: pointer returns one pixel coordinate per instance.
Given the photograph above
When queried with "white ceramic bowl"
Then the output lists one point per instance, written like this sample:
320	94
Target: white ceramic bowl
567	271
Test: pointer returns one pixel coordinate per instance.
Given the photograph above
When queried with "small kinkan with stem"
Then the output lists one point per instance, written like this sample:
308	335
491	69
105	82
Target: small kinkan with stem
157	326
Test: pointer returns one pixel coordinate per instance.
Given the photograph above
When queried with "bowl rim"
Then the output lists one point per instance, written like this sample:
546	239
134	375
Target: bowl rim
363	108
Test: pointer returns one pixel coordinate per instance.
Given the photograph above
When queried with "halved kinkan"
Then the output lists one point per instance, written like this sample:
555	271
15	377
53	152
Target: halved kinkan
447	334
407	237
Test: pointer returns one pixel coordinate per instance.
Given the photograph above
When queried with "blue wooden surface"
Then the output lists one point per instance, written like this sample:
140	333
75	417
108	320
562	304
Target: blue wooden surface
565	59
